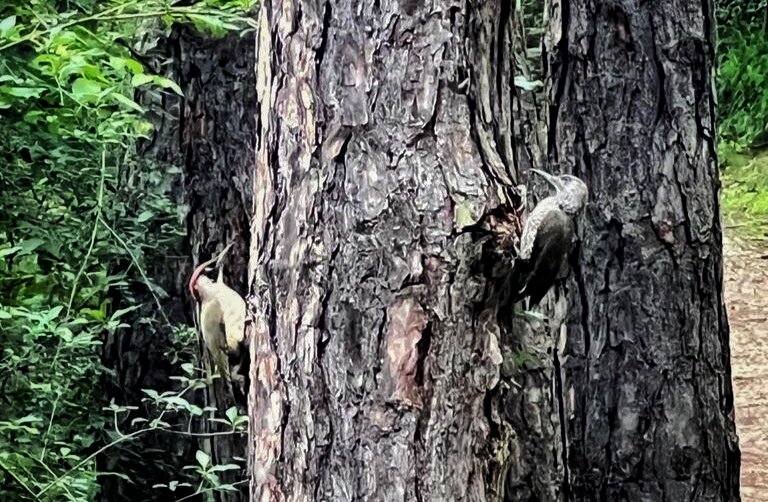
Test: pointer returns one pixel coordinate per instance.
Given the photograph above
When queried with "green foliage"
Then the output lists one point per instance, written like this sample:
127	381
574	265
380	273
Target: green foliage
743	87
74	245
743	113
742	69
745	192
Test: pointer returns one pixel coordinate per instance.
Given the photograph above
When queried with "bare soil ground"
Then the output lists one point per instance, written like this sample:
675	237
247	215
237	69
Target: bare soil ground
746	295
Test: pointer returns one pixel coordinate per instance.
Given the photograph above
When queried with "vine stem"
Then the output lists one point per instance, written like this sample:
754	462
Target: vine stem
73	292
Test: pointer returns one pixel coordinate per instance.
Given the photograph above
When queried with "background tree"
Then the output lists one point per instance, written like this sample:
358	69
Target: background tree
90	240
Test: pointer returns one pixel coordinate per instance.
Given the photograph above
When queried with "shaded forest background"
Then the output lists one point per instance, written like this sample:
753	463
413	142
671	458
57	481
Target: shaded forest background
103	385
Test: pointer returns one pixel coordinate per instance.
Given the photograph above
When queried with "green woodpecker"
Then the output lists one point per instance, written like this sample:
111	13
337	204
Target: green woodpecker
221	316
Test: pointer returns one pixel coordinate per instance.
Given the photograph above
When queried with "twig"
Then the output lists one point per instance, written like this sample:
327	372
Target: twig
208	490
140	269
19	480
83	264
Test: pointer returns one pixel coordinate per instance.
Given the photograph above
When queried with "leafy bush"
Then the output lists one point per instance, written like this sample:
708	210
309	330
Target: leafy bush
745	194
743	87
70	240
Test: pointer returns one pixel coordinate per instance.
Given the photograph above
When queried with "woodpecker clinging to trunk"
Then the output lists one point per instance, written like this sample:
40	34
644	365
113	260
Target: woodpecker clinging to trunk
221	317
548	236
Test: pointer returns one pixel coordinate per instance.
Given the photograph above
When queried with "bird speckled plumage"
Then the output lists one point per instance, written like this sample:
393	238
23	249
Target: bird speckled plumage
532	224
548	236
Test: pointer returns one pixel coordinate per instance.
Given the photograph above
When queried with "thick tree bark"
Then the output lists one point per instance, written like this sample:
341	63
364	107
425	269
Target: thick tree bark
386	135
646	366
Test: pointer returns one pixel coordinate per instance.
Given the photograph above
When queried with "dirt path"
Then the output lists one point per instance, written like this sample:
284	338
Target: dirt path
746	285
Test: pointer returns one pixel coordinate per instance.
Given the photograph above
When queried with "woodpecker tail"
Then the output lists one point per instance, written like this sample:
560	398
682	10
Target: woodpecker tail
519	279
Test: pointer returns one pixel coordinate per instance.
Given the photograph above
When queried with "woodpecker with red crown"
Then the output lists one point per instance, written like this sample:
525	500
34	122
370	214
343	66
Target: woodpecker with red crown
220	314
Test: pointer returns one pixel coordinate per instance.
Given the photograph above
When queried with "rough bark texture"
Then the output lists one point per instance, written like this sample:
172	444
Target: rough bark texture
386	133
645	370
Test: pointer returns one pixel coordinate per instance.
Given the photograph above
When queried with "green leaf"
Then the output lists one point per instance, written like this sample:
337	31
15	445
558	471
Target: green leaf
527	85
203	459
7	26
9	251
22	92
144	216
54	312
225	467
29	245
152	393
168	84
210	24
231	414
121	312
28	419
7	23
127	102
84	88
141	79
134	66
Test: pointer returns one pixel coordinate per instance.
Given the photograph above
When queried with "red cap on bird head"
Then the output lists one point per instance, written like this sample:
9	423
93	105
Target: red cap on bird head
200	268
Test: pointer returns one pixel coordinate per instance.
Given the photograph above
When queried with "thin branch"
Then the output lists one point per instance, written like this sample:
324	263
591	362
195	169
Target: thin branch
135	261
19	480
208	490
202	434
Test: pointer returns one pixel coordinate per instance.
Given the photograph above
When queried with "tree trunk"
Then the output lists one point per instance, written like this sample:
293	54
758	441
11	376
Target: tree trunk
646	366
138	357
387	133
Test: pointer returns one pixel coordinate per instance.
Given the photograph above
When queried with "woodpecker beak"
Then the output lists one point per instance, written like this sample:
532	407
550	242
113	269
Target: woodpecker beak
550	178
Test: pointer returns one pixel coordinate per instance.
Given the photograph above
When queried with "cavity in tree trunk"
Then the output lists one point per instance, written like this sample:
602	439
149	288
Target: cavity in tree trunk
387	132
646	367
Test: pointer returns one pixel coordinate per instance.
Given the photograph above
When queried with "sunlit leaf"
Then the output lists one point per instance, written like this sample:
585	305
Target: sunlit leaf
169	84
127	102
527	85
202	458
141	79
83	87
7	24
22	92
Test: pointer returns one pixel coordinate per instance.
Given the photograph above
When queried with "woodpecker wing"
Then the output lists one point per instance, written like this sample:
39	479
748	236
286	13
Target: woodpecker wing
233	310
211	325
552	245
532	224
